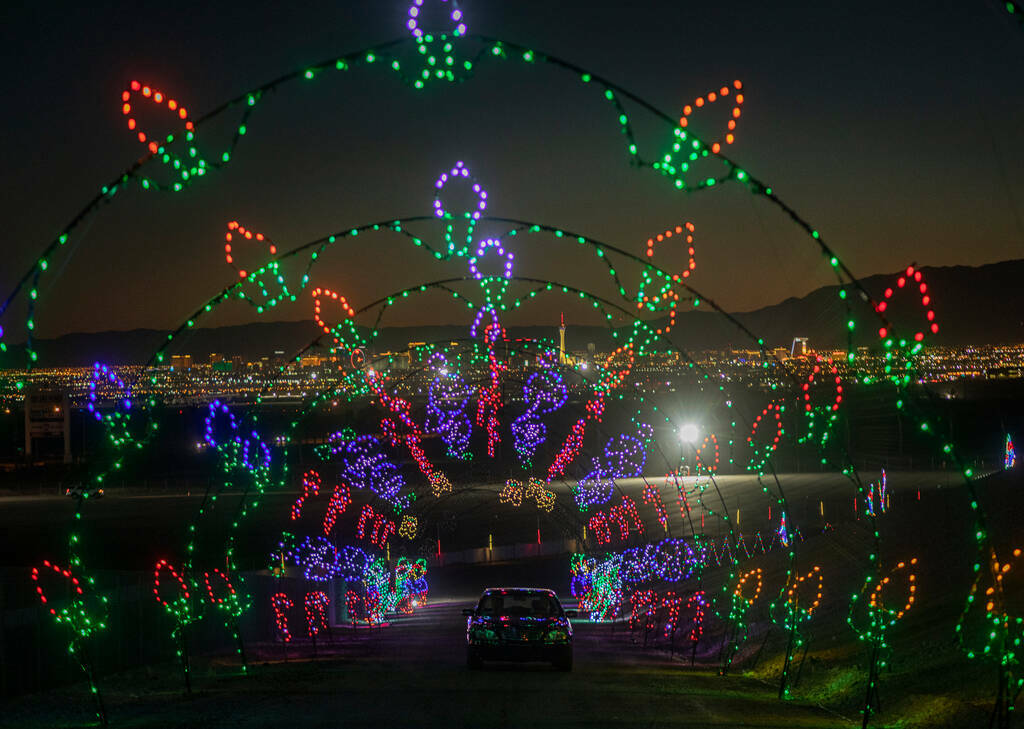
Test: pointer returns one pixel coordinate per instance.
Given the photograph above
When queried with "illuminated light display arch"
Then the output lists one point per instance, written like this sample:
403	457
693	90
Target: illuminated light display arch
606	582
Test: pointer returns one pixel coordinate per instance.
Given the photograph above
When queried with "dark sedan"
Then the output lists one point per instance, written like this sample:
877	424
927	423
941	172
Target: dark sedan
519	624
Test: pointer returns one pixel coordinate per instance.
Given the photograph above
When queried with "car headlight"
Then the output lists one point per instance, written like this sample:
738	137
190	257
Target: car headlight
557	636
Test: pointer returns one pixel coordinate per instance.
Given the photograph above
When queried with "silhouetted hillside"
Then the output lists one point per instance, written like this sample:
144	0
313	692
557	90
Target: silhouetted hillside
973	306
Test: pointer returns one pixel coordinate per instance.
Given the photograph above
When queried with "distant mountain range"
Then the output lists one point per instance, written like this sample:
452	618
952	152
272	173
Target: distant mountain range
973	306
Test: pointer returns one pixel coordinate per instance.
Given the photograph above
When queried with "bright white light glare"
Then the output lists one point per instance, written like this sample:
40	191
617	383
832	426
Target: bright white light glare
688	433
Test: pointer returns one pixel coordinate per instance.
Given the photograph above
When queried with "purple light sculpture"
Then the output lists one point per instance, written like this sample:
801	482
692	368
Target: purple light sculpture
624	457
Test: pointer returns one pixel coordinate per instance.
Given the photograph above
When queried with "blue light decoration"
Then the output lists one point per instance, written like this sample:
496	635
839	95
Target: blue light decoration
353	563
447	401
318	558
1010	457
877	497
670	560
782	532
597	585
364	466
119	420
544	392
624	457
236	450
395	590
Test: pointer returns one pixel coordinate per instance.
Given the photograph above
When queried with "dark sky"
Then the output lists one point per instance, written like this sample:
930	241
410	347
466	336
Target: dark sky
893	127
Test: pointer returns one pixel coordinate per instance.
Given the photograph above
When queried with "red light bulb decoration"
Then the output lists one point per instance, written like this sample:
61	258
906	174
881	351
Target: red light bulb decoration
232	596
320	295
186	166
653	496
642	608
311	483
598	526
382	527
673	602
696	604
340	500
910	279
282	604
316	604
761	452
180	606
825	370
819	411
489	396
616	368
157	98
76	616
237	232
80	622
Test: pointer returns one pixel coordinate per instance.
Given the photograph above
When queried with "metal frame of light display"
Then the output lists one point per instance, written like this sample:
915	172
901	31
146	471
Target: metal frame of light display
604	581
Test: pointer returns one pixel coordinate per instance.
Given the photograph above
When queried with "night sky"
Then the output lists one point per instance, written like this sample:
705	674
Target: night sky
893	127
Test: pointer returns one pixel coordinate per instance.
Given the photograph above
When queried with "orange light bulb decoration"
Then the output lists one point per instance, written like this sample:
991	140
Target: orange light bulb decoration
665	297
739	593
158	98
793	602
711	98
701	459
910	279
878	617
321	295
686	229
875	599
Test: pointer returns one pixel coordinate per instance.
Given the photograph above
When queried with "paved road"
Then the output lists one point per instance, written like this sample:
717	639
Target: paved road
413	674
133	531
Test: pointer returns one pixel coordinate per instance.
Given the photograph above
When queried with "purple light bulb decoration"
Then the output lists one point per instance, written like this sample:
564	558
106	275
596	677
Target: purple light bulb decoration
457	173
624	457
364	466
103	374
414	14
545	392
494	286
446	408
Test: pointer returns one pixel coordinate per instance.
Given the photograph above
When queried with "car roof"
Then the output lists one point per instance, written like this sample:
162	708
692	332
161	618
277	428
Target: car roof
528	590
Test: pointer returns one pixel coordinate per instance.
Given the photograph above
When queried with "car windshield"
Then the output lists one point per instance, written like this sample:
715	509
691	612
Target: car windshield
519	604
